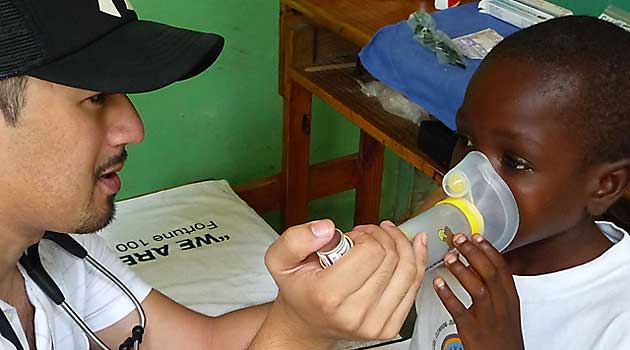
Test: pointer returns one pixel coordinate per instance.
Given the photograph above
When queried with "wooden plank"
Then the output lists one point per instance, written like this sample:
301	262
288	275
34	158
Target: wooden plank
326	178
333	176
296	152
281	47
368	194
357	20
330	47
340	89
297	43
263	195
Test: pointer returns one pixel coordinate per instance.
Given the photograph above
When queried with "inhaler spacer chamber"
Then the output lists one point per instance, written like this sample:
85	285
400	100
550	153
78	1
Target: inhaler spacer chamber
478	202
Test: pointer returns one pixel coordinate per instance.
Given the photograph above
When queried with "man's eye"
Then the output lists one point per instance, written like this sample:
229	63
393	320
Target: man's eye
98	99
516	163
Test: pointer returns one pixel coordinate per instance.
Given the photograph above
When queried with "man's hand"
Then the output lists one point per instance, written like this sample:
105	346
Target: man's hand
367	294
493	321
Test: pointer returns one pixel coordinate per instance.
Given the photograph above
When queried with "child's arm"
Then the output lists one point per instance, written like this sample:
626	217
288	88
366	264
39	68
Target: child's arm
493	321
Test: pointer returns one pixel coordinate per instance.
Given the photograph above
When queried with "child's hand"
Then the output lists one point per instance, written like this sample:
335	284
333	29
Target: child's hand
493	320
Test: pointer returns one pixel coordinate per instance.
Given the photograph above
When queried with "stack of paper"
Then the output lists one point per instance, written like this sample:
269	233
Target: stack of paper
522	13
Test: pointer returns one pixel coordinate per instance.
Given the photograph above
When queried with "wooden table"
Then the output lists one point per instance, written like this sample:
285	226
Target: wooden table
315	34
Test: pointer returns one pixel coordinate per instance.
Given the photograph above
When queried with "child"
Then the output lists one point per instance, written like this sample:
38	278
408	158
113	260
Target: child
550	107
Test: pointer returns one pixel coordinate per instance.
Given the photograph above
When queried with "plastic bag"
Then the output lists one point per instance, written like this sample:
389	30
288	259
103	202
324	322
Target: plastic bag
394	102
425	33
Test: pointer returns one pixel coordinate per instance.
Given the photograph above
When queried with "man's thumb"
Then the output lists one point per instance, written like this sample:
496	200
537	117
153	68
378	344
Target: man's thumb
297	243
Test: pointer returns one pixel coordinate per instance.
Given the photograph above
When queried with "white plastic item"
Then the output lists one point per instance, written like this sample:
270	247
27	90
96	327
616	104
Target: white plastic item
479	202
522	13
444	4
616	16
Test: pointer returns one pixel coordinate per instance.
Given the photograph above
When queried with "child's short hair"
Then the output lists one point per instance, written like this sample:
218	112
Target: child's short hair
592	56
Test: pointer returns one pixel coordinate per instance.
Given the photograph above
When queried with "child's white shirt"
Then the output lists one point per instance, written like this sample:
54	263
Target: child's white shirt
585	307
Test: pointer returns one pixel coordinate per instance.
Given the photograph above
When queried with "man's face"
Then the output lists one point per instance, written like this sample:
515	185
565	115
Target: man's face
514	116
59	163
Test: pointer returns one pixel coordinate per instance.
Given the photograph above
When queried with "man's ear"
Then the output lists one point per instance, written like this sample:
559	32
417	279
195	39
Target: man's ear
610	183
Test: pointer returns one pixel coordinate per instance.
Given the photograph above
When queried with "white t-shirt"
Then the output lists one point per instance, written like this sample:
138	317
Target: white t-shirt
585	307
94	297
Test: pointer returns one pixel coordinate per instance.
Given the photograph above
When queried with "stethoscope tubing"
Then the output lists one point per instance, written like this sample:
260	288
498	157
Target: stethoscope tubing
34	268
122	286
75	317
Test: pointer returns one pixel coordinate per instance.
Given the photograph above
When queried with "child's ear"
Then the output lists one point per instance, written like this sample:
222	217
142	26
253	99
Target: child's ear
610	183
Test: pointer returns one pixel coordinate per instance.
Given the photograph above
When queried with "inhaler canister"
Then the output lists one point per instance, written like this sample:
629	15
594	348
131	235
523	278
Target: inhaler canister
327	257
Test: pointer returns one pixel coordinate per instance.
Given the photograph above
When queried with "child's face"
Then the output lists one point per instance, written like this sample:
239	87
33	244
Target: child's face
516	119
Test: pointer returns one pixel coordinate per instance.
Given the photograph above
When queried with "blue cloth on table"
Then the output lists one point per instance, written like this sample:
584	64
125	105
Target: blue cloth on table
396	59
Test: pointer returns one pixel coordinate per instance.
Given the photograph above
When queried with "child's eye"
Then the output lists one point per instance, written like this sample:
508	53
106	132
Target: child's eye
464	140
98	99
516	163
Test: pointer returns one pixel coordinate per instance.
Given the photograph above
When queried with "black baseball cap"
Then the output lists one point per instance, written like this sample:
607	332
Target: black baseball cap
98	45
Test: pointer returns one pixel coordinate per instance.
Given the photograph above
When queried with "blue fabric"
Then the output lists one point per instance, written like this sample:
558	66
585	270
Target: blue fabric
393	57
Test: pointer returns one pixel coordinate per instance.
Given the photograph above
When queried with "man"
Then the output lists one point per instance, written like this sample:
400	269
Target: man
64	67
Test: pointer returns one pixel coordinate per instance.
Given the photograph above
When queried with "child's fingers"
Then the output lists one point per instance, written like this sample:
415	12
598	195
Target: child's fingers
473	285
490	251
479	261
497	260
450	301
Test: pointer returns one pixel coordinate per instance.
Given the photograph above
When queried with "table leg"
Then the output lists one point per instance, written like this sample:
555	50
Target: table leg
296	148
368	192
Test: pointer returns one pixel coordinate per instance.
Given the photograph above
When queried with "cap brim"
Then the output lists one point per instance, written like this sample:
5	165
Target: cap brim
139	56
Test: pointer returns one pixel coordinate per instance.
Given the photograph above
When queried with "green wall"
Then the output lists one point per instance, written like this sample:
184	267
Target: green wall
591	7
227	122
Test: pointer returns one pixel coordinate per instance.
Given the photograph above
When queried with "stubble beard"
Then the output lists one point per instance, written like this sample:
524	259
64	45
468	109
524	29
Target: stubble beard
94	219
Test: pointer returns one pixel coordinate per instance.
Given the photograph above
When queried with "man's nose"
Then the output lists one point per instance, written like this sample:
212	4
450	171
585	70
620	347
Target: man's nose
126	126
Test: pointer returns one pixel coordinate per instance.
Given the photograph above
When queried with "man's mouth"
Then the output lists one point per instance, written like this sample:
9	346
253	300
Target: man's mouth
112	170
110	179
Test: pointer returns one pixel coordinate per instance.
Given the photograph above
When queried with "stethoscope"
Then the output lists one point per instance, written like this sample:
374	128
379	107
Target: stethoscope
31	262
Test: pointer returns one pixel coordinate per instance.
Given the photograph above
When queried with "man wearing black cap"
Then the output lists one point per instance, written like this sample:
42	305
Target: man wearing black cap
64	68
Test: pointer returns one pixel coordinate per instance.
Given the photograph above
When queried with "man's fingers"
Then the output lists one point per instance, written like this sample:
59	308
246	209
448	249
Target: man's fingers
296	244
400	293
392	328
398	317
356	267
421	252
387	289
381	249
